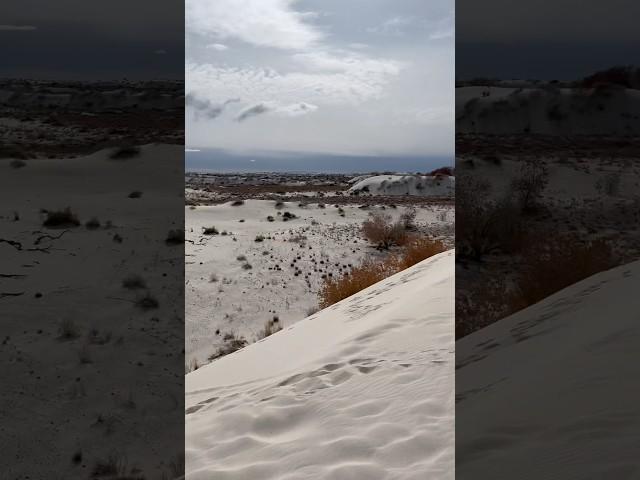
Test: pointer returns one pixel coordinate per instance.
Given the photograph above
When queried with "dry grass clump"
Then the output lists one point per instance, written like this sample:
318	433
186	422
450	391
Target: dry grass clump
548	265
270	327
124	153
134	282
381	231
61	219
370	272
175	237
232	344
557	263
210	231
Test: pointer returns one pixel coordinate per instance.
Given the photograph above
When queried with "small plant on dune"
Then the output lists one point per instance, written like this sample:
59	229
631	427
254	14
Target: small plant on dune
68	330
259	238
134	282
415	250
92	224
381	231
530	183
288	216
270	218
241	258
270	327
147	302
232	343
114	466
209	231
247	266
368	273
135	194
17	163
175	237
124	153
237	203
61	219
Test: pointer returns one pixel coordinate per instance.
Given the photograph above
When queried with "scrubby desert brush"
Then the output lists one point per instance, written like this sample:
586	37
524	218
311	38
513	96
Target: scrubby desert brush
270	327
61	219
133	282
68	330
556	263
92	224
370	272
147	302
530	183
175	237
549	264
232	344
209	231
237	203
124	153
383	232
17	163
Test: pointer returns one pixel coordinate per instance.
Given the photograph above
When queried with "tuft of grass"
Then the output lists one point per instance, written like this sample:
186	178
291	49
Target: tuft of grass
17	163
381	231
259	238
175	237
92	224
125	153
237	203
232	344
134	282
147	302
270	327
135	194
61	219
68	330
415	250
209	231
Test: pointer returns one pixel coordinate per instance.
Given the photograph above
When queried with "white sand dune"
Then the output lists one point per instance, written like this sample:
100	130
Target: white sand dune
552	391
360	390
420	185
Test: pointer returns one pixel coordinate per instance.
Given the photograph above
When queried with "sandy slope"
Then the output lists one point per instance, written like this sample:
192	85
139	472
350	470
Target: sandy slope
287	266
420	185
552	391
85	394
361	390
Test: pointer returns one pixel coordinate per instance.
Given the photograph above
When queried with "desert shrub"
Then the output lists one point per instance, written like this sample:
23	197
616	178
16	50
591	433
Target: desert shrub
13	151
213	278
259	238
549	264
247	266
209	231
147	302
17	163
609	184
232	344
279	204
556	263
288	216
114	466
237	203
417	249
135	194
530	183
68	330
134	282
175	237
270	327
270	218
381	231
446	171
192	366
241	258
408	218
61	219
368	273
124	153
92	224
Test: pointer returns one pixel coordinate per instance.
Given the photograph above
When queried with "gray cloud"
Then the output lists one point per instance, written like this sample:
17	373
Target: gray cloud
254	111
205	107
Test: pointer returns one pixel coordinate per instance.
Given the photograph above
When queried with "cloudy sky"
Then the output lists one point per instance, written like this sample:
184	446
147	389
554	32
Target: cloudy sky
357	77
560	39
91	40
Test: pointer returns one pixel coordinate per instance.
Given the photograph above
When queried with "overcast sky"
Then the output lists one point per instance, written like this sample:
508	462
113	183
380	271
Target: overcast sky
370	77
84	39
559	39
